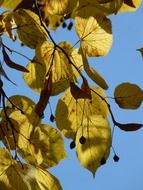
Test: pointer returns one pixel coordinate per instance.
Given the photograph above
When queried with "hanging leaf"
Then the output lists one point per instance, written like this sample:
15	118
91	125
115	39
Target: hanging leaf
50	59
92	73
78	93
26	106
96	131
29	28
129	126
44	96
45	148
46	181
106	7
75	112
17	130
11	64
128	96
94	31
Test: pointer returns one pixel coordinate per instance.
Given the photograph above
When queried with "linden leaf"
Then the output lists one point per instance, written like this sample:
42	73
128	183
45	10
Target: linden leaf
11	64
10	4
127	7
29	28
17	130
46	181
128	96
8	24
26	106
94	30
70	119
105	7
46	147
5	160
54	60
97	134
92	73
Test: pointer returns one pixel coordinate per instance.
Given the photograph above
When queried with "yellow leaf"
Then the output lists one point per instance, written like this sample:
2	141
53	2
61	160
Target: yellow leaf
5	160
126	8
96	146
92	73
70	119
45	148
10	4
46	181
17	130
29	28
48	58
128	96
94	30
26	106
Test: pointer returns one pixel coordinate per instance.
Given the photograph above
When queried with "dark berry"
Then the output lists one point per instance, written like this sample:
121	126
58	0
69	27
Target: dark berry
116	158
103	161
64	25
82	140
72	145
70	26
52	118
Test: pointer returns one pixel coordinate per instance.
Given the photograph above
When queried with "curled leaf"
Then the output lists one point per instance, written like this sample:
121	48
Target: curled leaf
129	126
11	64
92	73
128	96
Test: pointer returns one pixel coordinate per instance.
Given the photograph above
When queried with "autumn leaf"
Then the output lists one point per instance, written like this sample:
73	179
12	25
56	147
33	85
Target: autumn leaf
50	59
128	96
29	28
92	73
94	31
129	126
129	3
96	131
76	111
78	92
141	51
45	147
11	64
46	181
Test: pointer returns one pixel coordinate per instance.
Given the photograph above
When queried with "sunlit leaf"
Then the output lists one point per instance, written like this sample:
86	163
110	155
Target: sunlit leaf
9	24
128	96
96	131
46	181
5	160
26	106
29	28
54	60
74	112
45	148
92	73
94	30
17	130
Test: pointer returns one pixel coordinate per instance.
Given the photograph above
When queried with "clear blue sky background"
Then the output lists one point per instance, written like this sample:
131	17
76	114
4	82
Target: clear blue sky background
122	64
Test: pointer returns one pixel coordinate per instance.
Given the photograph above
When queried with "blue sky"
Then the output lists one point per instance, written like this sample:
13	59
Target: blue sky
122	64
